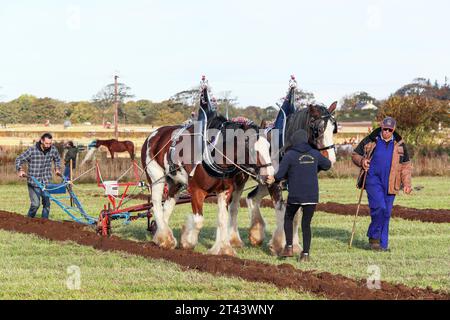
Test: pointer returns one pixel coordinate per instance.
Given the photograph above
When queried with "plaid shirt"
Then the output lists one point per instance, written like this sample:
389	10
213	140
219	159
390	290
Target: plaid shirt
39	163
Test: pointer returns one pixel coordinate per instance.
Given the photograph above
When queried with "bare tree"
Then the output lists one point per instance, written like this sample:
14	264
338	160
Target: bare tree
226	101
188	97
104	99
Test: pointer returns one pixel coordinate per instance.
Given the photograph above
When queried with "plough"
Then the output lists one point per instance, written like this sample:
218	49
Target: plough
63	195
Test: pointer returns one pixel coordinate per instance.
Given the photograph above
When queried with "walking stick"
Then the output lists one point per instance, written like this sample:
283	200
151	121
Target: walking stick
70	178
357	210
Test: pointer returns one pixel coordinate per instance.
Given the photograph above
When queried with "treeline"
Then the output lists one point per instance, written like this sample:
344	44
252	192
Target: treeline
28	109
420	107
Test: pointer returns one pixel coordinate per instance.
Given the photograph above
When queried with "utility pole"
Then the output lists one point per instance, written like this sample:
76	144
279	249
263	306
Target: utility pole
116	109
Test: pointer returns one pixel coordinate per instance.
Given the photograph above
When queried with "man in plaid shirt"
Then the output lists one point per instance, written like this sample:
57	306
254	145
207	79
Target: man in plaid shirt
39	159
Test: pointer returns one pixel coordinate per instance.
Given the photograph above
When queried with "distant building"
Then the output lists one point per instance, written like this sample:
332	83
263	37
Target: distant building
366	106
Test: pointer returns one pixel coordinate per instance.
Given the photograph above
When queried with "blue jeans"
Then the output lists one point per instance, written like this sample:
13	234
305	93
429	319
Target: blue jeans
35	197
67	172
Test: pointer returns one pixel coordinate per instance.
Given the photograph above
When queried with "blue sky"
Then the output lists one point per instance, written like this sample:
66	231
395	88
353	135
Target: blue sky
70	49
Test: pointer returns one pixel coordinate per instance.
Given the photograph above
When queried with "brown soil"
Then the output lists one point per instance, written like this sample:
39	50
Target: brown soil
424	215
283	276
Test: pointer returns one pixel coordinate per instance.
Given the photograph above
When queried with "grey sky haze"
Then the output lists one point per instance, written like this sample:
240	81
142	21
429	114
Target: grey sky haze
71	49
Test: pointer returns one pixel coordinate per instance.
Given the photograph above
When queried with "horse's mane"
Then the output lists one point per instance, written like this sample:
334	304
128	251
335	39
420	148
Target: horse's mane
300	120
295	121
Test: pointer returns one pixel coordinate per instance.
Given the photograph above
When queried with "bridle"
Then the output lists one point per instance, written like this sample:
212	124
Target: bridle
315	127
247	168
255	167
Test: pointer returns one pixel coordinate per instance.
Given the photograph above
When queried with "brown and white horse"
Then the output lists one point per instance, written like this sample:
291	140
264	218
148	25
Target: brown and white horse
321	126
114	146
159	167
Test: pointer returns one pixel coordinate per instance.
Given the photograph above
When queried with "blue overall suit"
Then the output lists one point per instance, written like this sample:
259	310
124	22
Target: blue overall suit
377	186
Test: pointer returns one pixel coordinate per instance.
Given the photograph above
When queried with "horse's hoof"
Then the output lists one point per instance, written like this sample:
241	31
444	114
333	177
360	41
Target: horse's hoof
256	235
297	249
274	250
165	241
169	244
255	242
236	242
227	251
187	245
223	251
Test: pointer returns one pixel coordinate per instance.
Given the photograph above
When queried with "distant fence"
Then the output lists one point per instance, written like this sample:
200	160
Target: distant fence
422	166
112	169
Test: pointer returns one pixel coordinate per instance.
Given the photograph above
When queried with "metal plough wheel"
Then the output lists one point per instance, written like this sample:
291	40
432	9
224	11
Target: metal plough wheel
104	224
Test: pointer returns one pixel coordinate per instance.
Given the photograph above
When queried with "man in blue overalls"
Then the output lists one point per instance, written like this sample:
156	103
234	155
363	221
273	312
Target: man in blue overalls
384	158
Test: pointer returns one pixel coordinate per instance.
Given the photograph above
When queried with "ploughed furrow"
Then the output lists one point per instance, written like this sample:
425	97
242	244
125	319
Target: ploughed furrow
283	276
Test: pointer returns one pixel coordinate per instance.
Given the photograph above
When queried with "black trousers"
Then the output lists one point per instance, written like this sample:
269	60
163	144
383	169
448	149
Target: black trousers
308	213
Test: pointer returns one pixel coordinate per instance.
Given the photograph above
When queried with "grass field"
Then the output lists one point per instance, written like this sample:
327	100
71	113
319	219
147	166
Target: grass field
32	268
420	252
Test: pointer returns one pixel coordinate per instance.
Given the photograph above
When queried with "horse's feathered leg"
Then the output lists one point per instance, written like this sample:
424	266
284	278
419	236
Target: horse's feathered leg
171	201
235	238
222	245
257	226
278	241
194	222
296	240
163	236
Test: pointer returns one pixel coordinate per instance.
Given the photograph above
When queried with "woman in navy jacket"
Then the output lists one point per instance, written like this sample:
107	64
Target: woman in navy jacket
300	166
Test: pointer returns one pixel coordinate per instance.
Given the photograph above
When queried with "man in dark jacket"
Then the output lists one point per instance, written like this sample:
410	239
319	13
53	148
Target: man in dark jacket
383	157
71	154
300	166
39	159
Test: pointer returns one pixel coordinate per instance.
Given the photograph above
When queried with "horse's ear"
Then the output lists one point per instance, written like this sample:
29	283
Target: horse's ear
333	107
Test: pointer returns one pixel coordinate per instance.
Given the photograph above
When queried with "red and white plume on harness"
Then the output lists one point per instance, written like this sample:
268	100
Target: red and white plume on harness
242	120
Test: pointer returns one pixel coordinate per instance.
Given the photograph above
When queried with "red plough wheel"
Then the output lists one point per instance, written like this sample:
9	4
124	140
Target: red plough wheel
104	224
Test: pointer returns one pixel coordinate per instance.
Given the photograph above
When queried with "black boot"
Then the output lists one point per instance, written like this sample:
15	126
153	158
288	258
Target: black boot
375	244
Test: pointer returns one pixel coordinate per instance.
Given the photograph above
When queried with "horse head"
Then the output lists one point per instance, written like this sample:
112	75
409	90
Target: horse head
264	167
323	126
93	145
250	146
257	146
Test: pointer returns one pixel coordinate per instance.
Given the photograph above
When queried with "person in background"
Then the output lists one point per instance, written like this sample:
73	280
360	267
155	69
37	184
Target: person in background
39	158
71	154
383	156
300	166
